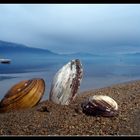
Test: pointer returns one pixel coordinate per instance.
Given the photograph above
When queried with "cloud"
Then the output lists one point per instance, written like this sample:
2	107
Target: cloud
71	27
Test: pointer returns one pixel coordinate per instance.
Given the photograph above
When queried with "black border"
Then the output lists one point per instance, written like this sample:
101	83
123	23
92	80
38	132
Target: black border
69	2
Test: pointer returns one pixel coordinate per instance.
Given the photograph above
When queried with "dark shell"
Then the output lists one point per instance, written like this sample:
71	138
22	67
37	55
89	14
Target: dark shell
66	83
100	105
24	94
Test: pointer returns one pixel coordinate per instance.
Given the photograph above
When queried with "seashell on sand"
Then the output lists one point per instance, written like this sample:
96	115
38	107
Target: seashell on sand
100	105
24	94
66	83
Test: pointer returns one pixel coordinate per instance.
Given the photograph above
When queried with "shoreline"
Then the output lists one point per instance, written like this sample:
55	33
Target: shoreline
87	83
70	120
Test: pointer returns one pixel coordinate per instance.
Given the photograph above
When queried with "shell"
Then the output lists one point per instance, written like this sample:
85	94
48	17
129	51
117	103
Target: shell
24	94
66	83
100	105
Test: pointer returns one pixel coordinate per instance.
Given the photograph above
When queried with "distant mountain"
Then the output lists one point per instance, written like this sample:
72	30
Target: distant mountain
12	48
133	54
81	54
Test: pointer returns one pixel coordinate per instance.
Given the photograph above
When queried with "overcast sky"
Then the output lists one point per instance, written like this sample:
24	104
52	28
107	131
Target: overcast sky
66	28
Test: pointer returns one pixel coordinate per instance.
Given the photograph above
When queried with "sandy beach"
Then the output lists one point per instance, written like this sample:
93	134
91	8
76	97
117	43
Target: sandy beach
50	119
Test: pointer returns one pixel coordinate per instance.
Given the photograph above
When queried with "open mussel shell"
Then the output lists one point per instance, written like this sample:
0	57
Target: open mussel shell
100	105
66	83
24	94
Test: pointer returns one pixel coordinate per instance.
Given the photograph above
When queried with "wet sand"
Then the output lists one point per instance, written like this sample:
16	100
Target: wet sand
48	118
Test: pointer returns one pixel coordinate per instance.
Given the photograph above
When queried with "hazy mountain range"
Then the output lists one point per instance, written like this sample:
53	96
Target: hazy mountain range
12	48
8	49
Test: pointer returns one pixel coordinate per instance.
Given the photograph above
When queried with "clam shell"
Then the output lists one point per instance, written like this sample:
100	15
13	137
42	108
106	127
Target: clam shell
66	83
100	105
24	94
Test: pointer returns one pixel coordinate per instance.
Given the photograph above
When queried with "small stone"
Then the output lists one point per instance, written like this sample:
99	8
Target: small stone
43	109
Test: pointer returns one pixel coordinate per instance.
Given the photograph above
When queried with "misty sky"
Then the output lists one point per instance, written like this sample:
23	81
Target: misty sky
66	28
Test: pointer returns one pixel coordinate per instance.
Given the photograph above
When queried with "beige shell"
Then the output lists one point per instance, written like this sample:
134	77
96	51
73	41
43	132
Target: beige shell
100	105
24	94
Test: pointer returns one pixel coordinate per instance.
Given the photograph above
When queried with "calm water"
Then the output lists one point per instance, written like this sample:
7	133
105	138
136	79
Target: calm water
99	71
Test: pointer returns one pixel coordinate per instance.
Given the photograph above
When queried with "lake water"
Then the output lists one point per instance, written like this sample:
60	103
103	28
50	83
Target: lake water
99	71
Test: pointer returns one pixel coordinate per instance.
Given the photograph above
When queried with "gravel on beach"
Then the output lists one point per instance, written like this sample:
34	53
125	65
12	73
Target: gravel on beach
51	119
